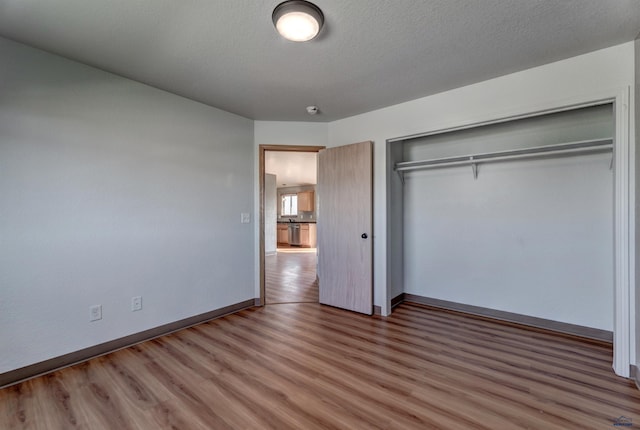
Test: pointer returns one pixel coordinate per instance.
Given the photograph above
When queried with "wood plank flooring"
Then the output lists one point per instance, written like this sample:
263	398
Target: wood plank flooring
290	276
308	366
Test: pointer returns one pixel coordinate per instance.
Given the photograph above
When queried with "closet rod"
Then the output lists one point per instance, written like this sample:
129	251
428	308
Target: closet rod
562	149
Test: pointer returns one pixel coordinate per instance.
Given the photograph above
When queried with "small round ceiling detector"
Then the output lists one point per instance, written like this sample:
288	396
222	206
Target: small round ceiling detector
312	110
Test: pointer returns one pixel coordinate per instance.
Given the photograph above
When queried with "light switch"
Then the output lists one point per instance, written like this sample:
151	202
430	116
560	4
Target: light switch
245	218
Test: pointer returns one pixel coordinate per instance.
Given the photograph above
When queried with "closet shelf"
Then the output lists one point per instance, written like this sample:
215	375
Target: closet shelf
547	151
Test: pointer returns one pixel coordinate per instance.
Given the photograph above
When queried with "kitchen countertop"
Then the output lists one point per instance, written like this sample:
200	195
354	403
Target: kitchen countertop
298	222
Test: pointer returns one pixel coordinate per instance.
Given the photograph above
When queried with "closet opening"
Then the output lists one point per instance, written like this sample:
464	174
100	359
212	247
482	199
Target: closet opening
513	219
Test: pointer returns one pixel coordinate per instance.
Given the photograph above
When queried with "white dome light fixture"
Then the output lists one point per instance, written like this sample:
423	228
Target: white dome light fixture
298	20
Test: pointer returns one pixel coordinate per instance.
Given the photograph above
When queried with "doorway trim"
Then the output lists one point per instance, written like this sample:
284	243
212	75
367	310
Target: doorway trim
261	170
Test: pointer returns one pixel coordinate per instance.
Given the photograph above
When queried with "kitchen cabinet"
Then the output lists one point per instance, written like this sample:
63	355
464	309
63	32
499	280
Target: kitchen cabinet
305	201
308	235
304	235
283	233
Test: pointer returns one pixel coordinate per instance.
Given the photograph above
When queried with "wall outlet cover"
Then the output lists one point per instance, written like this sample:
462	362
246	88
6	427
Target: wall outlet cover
95	313
136	303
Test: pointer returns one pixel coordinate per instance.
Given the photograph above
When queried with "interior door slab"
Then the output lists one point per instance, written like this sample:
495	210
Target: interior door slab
345	218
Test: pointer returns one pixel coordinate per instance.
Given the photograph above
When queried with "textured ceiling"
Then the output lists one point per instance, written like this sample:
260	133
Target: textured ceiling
371	53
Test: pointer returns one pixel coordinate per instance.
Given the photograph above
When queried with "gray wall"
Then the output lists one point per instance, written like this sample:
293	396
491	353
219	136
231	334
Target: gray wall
531	237
111	189
395	239
637	208
270	214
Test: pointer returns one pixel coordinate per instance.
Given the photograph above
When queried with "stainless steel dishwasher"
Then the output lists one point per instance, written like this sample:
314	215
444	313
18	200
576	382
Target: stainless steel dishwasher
294	234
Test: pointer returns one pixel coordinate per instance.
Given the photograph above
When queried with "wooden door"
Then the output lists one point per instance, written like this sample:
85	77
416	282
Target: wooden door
345	244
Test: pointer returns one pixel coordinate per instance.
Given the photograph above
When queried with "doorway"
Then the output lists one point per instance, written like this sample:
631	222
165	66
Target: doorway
528	229
288	257
623	169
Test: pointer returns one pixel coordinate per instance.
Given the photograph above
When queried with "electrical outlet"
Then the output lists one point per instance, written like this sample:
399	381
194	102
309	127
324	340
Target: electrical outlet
245	218
136	303
95	313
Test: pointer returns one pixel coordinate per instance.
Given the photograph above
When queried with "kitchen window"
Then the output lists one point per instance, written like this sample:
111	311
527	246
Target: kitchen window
289	204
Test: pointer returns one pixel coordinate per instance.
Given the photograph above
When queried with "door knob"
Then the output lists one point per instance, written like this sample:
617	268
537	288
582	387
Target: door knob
364	235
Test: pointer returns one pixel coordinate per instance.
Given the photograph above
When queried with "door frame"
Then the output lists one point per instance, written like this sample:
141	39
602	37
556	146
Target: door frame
261	170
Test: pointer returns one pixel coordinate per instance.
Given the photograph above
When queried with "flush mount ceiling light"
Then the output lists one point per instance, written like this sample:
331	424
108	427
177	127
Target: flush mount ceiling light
298	20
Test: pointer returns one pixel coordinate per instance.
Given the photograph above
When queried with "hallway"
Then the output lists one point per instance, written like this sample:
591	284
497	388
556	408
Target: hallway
290	276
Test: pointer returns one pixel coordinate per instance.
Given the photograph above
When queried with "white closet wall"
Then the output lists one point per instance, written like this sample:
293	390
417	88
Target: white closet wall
532	237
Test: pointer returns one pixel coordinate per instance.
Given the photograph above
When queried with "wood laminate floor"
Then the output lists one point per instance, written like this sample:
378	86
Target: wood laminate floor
307	366
290	276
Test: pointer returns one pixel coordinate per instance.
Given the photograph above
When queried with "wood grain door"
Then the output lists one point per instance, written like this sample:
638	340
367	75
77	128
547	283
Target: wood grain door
345	245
